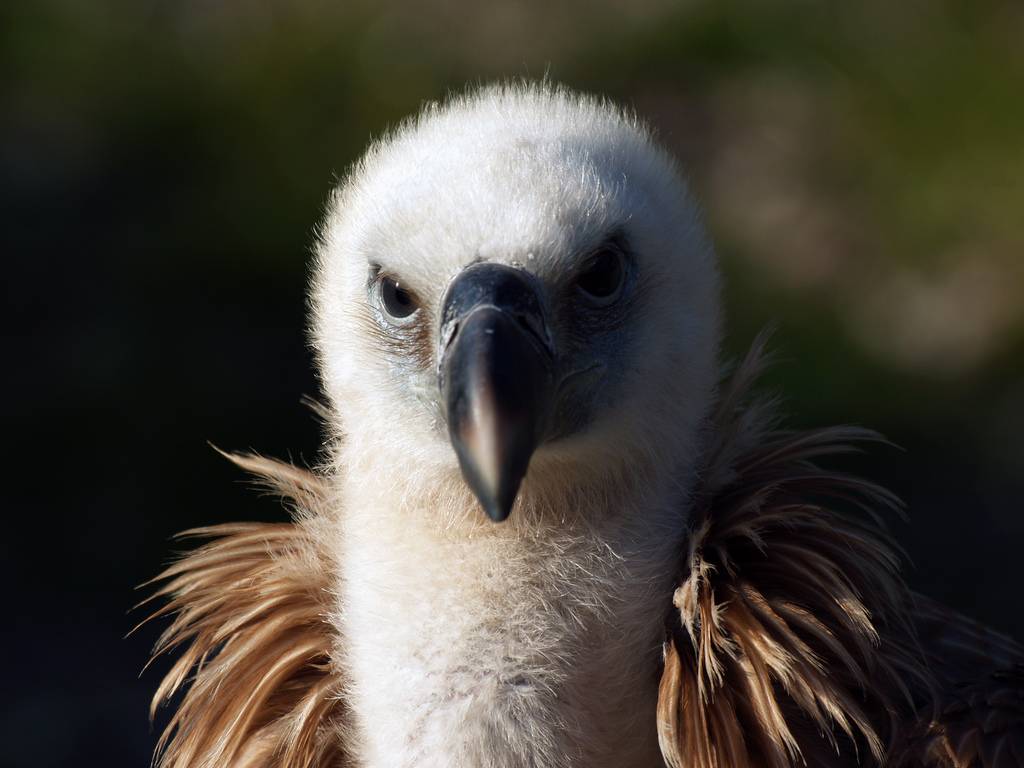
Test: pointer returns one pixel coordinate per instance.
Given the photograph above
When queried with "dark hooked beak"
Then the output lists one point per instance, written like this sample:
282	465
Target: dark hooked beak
496	376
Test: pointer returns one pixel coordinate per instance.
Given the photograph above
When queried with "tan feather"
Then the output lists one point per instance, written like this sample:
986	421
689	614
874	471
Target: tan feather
251	609
789	610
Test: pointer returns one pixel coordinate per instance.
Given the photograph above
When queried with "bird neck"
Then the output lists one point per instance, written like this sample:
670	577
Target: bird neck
544	631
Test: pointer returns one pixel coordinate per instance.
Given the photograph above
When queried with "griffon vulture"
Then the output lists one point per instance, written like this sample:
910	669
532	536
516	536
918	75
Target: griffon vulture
545	531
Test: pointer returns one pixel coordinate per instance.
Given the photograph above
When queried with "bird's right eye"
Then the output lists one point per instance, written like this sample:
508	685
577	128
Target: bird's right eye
398	302
603	277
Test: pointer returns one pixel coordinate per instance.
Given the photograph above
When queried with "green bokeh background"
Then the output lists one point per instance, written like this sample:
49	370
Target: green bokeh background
164	166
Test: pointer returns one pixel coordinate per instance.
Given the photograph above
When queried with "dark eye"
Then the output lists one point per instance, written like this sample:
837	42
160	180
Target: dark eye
602	277
397	301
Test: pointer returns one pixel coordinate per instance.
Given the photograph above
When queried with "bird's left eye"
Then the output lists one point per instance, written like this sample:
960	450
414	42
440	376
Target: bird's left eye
603	276
396	300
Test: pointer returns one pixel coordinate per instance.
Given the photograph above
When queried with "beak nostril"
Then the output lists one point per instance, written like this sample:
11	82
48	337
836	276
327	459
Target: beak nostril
537	329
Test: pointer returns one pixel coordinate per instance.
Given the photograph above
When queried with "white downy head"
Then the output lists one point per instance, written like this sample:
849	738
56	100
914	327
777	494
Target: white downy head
600	361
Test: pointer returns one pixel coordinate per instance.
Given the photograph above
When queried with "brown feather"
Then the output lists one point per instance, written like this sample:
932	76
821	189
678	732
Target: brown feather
251	610
979	721
790	612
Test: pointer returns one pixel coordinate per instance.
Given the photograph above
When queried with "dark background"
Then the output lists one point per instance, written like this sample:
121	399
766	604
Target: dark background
164	166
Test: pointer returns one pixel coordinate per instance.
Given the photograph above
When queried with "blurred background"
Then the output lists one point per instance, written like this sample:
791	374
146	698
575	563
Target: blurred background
164	166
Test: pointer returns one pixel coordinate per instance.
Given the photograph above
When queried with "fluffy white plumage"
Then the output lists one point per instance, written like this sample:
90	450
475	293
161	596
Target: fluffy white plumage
533	642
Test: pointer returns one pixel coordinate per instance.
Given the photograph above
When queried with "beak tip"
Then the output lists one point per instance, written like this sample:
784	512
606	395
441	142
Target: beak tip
496	510
496	502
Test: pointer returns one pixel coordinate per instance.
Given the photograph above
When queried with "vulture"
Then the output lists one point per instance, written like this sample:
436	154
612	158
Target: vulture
549	526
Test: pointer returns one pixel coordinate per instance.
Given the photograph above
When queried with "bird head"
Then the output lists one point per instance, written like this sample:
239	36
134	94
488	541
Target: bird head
516	284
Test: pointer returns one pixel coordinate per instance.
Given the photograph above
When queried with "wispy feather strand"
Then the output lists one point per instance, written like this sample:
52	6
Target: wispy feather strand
790	611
